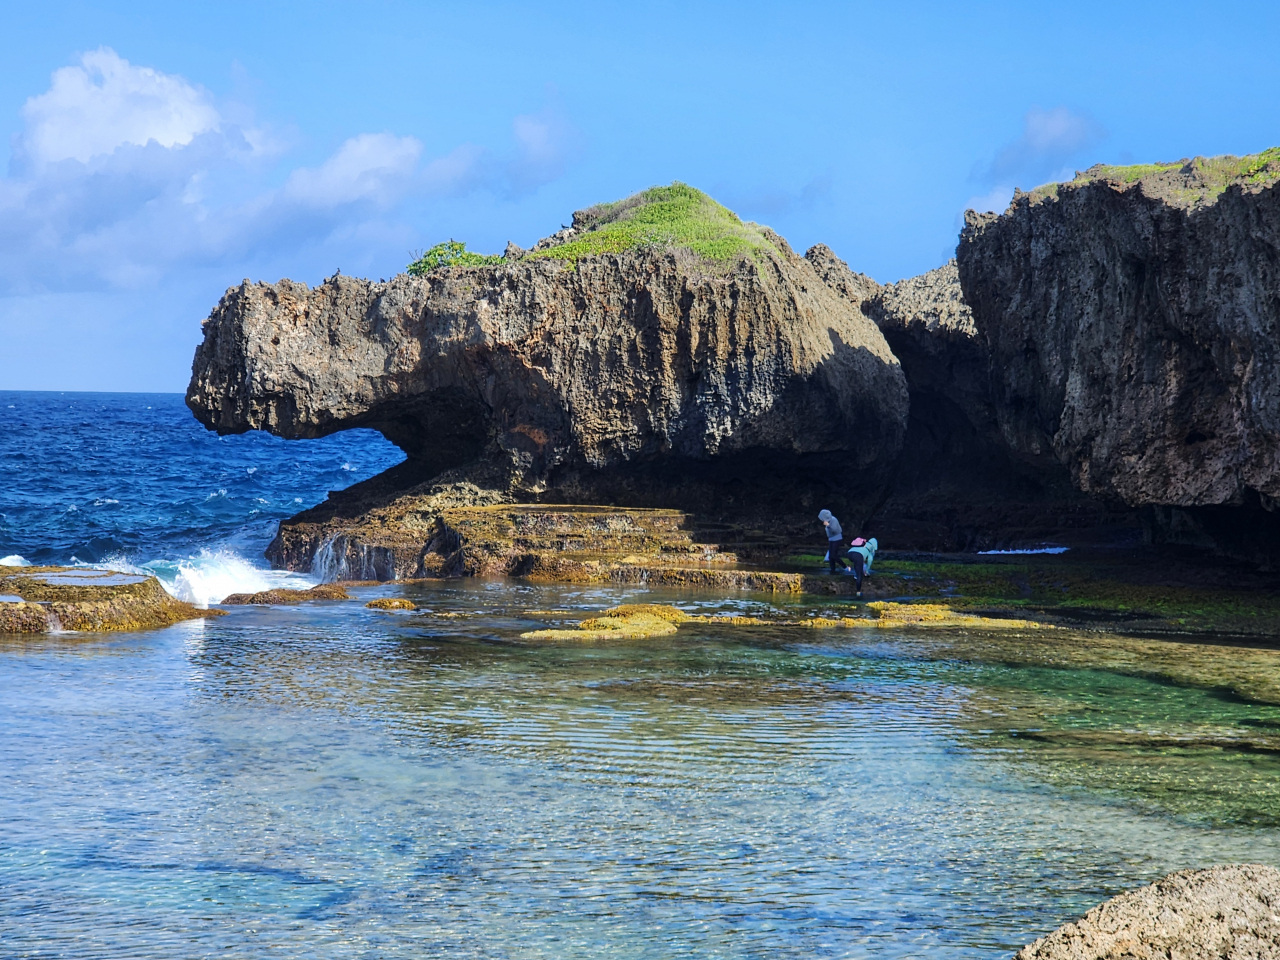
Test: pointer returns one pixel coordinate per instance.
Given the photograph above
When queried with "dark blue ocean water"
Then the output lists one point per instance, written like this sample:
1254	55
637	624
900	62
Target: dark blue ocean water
134	479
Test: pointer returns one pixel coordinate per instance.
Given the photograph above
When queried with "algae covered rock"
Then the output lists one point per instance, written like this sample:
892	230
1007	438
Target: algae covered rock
47	599
392	603
661	352
282	595
1227	911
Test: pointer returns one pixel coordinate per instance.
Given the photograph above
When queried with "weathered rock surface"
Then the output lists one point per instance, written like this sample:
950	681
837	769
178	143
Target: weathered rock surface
630	370
650	377
1223	912
1133	323
957	484
43	599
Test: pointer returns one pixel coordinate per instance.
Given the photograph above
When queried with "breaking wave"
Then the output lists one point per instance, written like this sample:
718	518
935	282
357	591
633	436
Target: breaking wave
210	576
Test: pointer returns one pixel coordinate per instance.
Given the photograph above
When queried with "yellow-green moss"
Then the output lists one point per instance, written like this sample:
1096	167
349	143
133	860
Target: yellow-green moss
391	603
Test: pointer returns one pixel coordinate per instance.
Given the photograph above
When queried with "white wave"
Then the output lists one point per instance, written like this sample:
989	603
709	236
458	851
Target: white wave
13	560
1029	550
210	576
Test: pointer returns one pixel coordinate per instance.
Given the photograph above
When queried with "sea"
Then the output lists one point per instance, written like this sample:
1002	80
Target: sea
327	780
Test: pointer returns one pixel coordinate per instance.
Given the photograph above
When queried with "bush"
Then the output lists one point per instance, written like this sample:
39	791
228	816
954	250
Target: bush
451	253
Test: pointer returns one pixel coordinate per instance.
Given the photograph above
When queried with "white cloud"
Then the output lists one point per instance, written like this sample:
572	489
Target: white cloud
104	103
124	176
545	144
1049	140
996	200
371	166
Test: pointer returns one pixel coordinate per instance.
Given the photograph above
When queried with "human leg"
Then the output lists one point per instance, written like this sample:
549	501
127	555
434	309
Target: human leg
858	560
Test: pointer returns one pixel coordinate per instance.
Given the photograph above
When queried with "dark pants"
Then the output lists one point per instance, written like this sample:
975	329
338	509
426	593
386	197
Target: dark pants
859	565
833	554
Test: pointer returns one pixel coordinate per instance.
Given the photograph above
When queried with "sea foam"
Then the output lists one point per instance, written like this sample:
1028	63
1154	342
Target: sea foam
210	576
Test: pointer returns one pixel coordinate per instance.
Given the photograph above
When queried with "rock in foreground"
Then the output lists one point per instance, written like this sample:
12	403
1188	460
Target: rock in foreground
1223	912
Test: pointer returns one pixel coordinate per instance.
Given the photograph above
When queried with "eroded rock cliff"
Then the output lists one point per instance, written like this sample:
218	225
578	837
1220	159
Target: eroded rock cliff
715	372
957	484
1133	322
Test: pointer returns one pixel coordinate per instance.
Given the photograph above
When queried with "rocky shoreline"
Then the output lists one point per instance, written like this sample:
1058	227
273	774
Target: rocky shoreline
1097	366
1227	911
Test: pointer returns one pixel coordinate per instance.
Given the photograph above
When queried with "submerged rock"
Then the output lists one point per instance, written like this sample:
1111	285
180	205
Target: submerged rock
705	367
283	595
1133	321
392	603
1228	911
49	599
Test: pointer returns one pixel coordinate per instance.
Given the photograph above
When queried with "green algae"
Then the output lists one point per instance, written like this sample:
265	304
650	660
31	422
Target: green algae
1118	592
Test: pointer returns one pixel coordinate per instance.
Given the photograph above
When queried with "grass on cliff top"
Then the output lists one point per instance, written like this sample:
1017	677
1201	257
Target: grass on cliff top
1214	174
672	216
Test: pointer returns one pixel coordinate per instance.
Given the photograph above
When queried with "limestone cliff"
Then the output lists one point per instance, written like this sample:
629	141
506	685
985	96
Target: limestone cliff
957	484
1133	322
703	374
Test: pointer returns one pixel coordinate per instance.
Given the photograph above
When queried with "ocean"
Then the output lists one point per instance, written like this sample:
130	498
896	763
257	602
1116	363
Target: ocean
332	781
133	481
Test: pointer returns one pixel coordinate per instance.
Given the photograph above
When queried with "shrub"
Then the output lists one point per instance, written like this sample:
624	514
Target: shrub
451	253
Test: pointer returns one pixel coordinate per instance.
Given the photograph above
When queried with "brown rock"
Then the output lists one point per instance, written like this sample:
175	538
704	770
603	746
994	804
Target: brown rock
324	591
1222	912
649	377
1133	319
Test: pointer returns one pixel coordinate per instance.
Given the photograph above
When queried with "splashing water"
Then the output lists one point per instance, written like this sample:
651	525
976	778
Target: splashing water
210	576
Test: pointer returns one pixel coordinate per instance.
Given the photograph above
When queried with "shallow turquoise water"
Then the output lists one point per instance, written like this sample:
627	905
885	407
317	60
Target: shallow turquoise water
332	781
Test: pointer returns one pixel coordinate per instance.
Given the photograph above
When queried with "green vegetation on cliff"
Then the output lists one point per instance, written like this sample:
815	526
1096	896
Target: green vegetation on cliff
1203	178
673	216
451	253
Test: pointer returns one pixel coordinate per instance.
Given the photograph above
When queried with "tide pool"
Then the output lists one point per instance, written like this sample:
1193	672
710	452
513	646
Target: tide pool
333	781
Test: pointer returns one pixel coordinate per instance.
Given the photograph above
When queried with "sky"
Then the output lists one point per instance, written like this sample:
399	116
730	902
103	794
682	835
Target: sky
155	154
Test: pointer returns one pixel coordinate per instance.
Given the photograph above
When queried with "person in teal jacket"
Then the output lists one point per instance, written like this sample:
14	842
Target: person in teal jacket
862	552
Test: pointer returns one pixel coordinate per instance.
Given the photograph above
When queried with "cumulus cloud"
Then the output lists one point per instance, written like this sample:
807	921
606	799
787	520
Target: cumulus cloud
371	166
106	102
123	175
1050	138
545	144
997	200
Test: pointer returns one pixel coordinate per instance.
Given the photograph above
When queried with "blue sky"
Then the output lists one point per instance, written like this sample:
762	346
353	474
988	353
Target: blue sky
156	153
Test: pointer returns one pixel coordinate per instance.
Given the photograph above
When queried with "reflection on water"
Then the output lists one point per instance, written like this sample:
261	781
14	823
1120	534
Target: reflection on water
334	781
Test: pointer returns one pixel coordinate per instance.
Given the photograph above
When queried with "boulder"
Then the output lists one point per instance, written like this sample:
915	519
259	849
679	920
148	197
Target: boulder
1133	321
1222	912
56	599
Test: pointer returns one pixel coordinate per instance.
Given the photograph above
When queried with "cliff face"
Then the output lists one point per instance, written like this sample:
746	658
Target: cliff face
650	374
1133	323
957	484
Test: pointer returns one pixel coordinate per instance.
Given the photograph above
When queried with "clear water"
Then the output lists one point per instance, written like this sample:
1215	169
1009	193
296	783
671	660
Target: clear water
332	781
